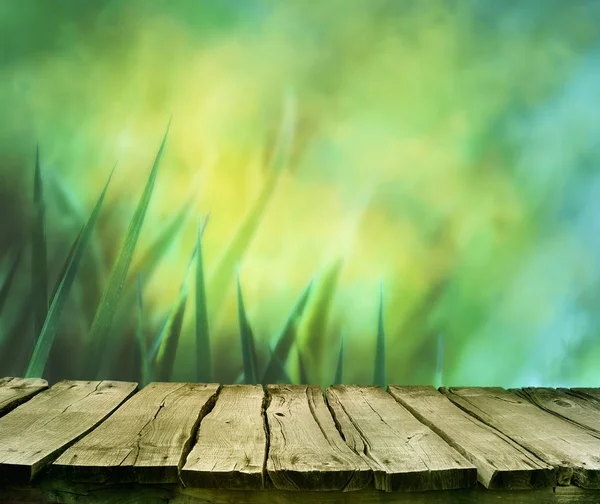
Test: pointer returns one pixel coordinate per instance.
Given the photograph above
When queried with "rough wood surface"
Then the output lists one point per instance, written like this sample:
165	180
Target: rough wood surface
306	451
15	391
231	445
35	433
582	412
587	393
573	451
403	453
145	440
500	462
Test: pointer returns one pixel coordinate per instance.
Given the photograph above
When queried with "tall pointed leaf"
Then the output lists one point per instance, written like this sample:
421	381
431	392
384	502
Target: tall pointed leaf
247	339
109	301
10	276
304	377
203	356
312	333
379	374
165	345
66	264
140	335
286	340
44	343
438	381
39	261
220	280
339	379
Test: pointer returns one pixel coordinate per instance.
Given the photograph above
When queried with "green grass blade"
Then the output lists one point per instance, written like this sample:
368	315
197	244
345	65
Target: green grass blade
279	370
379	373
304	377
39	260
220	280
165	344
66	264
438	381
286	341
44	343
314	326
140	335
339	378
162	244
165	359
111	296
203	355
247	339
10	276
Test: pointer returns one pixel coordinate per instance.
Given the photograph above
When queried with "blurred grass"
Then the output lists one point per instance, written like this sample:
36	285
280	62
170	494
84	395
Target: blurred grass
467	127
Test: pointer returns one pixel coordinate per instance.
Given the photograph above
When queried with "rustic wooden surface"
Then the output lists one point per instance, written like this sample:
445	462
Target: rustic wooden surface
33	434
587	393
573	451
253	446
231	445
306	451
15	391
500	462
146	440
403	453
581	412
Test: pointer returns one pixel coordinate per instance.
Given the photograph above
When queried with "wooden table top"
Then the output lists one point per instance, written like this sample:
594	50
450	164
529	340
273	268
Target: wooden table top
205	440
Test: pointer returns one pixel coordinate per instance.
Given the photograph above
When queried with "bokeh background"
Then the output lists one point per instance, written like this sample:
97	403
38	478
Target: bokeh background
448	150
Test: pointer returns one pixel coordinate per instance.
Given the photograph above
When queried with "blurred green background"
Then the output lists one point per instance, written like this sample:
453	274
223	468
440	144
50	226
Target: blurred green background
447	149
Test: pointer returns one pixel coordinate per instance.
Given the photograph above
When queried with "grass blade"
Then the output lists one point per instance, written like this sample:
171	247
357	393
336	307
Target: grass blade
44	343
39	260
379	373
286	341
304	378
111	296
438	381
247	339
313	329
219	282
10	276
66	264
168	340
152	256
203	355
140	335
339	379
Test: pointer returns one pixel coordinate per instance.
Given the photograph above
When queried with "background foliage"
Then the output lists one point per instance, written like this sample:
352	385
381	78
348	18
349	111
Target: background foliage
445	151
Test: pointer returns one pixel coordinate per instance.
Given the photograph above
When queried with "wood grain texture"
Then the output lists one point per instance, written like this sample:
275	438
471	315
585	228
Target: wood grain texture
403	453
306	451
573	451
587	393
500	462
35	433
581	411
231	446
146	440
15	391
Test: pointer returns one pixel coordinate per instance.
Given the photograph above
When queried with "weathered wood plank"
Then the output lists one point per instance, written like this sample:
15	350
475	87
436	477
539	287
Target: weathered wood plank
403	453
588	393
573	451
306	451
15	391
231	446
582	412
146	440
35	433
500	462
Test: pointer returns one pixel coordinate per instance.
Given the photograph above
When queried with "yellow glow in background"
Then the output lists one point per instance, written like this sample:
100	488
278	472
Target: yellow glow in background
414	128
